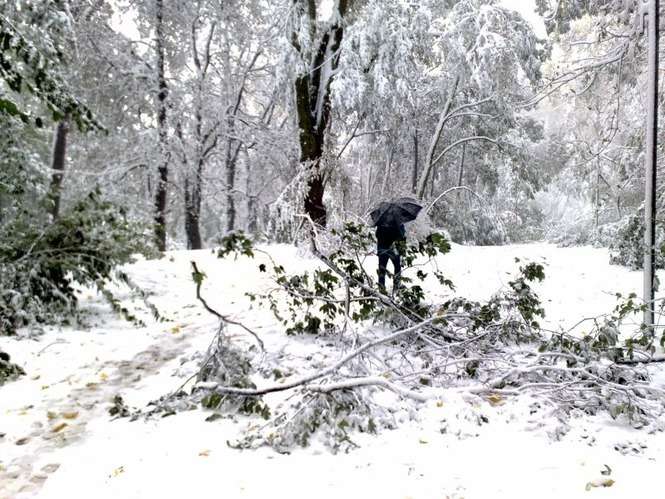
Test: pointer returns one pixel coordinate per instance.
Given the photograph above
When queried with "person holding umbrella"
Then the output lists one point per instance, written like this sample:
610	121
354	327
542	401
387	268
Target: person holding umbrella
389	218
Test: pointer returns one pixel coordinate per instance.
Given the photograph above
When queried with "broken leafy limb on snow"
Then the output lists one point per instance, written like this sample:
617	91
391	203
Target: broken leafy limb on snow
341	290
492	349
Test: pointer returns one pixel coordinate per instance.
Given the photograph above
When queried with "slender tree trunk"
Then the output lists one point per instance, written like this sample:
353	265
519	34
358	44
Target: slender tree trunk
429	162
597	211
58	166
193	209
651	164
386	175
230	194
414	172
163	169
460	175
193	190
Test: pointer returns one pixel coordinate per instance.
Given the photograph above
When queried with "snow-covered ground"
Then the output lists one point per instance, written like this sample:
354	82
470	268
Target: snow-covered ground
58	441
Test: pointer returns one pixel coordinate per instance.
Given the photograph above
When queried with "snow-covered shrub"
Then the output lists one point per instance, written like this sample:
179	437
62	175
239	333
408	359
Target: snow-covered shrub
627	245
40	263
8	370
473	225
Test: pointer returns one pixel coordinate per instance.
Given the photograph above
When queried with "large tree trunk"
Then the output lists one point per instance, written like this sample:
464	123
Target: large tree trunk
313	102
58	167
163	169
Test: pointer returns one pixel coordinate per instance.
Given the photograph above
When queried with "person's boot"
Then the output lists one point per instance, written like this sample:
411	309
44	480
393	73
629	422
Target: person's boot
396	284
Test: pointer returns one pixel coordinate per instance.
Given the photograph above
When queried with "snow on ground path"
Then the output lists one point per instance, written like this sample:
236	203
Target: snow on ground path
73	375
446	452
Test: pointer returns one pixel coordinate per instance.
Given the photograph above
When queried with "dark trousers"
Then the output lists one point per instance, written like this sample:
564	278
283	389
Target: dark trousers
384	255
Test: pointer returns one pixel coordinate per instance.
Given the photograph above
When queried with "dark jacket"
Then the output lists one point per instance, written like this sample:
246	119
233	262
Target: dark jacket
387	235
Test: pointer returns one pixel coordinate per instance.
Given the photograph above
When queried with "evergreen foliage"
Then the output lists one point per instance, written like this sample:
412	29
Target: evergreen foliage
627	245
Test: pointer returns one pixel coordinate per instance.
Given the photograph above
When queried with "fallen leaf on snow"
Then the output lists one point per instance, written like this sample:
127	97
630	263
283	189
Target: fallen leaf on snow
117	471
439	403
495	400
103	376
70	415
58	427
600	482
23	441
204	453
51	415
422	441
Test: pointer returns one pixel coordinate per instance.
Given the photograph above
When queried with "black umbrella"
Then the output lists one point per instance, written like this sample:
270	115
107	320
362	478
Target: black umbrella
395	212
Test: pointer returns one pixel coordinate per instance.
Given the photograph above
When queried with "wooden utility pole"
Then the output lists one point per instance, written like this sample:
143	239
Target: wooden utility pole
650	166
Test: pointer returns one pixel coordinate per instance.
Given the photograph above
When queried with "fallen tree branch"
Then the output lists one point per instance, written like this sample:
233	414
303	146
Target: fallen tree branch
198	279
369	381
250	392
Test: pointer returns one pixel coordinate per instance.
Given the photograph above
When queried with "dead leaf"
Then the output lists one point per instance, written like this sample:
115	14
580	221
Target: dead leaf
204	453
175	329
439	403
117	471
422	441
104	376
600	482
70	415
495	400
58	427
51	415
23	441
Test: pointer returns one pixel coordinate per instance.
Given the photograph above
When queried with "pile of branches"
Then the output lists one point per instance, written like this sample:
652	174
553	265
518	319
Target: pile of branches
491	349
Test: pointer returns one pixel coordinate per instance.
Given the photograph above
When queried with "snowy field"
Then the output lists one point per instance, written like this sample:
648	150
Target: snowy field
58	441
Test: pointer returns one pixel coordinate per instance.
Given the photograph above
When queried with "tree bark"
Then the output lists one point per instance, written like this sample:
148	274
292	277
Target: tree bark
414	173
460	176
163	169
231	161
58	166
